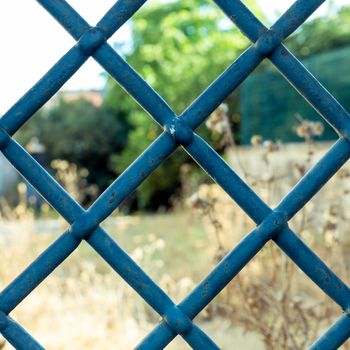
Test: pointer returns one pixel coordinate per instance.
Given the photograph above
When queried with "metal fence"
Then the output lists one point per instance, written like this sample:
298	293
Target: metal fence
272	224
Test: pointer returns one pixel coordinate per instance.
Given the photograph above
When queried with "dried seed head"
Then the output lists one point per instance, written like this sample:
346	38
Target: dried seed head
256	140
271	146
308	129
218	121
196	202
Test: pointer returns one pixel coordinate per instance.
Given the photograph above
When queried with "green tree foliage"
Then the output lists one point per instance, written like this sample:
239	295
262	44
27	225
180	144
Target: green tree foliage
179	49
80	133
322	34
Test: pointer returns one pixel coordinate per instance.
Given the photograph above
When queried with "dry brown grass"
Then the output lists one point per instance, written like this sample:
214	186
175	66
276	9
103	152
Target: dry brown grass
271	297
85	305
270	305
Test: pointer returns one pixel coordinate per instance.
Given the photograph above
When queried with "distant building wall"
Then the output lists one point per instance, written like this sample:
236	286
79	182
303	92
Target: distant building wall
95	97
269	104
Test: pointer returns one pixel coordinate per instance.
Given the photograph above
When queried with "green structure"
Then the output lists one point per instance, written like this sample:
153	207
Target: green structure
270	107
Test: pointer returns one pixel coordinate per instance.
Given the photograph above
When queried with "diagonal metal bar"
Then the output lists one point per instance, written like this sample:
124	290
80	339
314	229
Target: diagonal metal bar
315	178
16	335
335	336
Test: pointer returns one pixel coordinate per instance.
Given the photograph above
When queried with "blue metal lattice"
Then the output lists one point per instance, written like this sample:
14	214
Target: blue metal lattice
178	130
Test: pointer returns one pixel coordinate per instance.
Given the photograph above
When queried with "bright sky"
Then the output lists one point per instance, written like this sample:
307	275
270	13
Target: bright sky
32	41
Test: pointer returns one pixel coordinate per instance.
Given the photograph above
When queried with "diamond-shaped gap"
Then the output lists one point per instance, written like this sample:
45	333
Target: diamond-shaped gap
270	167
271	297
279	115
71	93
276	112
276	103
322	66
64	138
263	102
268	11
321	50
155	229
322	223
273	169
25	59
36	134
22	241
158	240
165	245
221	217
178	185
87	304
180	47
159	243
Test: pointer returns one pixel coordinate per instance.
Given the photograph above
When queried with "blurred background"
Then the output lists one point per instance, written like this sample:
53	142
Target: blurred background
178	224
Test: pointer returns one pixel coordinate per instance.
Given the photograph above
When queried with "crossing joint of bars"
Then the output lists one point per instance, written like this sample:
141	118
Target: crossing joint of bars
91	40
181	133
178	320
